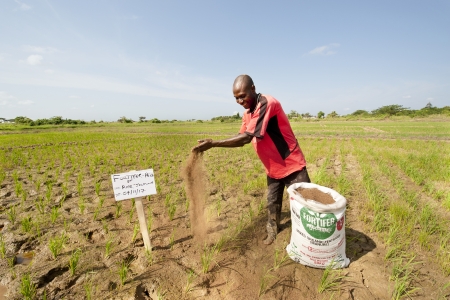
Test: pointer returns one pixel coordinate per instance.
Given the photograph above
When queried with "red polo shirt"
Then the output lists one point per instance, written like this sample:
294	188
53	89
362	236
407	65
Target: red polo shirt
273	138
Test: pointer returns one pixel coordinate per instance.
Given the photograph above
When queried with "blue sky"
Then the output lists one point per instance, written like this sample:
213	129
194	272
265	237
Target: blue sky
100	60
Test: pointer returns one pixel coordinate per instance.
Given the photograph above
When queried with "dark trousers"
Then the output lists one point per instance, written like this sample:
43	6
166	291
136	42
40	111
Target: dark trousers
275	194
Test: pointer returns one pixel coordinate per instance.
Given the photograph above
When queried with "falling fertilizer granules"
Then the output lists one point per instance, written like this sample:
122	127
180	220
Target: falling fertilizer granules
194	176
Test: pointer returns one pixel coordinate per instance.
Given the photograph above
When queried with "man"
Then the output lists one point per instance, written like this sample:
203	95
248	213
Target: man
266	126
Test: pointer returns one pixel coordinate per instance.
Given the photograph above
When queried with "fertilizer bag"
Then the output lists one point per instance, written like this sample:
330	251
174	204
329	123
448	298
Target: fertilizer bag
318	230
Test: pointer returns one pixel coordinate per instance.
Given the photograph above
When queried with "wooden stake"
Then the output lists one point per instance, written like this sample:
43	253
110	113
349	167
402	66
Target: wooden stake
143	223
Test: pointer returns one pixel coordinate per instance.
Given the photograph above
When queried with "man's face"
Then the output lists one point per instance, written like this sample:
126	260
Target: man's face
245	96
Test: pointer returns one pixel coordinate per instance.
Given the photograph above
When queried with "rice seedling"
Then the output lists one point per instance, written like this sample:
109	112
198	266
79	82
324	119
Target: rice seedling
190	279
149	219
2	177
81	205
56	245
402	275
330	278
97	188
40	205
101	201
12	214
123	272
108	247
280	258
26	224
2	247
27	288
172	239
218	206
18	188
135	232
24	196
105	226
264	281
171	210
207	257
149	256
118	210
96	213
73	261
89	289
48	193
54	214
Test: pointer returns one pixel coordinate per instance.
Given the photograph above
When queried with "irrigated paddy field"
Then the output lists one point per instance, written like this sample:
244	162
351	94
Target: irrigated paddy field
63	236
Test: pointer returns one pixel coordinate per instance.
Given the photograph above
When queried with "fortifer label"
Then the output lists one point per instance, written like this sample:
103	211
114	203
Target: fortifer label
319	225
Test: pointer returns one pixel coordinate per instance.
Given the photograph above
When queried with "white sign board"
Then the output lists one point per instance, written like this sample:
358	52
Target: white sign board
133	184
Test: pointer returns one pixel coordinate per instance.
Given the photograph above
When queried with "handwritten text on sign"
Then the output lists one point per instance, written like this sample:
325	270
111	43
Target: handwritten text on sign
133	184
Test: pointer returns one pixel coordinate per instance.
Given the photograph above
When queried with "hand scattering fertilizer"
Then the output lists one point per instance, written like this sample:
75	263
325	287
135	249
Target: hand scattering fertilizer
318	226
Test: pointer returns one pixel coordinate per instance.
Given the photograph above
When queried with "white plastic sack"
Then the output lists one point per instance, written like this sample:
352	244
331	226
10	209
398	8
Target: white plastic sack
318	230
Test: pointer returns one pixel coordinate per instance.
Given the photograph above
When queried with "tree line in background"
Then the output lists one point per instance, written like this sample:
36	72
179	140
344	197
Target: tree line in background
384	111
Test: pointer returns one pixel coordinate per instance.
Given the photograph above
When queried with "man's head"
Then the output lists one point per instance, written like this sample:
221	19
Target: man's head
244	91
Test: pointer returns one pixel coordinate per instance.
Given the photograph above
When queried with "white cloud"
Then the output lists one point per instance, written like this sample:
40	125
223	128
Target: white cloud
324	50
41	50
34	59
406	97
3	102
5	95
430	99
25	102
347	108
49	71
74	97
23	6
92	105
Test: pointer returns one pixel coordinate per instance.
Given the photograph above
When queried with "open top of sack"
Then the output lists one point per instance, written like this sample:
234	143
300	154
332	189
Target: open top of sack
339	201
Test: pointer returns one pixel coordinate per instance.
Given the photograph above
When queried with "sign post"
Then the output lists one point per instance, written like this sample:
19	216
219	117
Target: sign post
136	184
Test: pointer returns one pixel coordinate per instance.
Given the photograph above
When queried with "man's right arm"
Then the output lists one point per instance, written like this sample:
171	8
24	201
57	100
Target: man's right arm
236	141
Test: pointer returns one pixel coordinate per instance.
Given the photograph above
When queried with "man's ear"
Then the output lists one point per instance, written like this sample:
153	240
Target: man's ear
253	87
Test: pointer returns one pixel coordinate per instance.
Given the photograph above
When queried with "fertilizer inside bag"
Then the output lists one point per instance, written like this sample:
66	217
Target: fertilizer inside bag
318	230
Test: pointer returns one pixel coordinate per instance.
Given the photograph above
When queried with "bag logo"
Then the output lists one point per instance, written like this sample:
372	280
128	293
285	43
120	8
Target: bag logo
319	225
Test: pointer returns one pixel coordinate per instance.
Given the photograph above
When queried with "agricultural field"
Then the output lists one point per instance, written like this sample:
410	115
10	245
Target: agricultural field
63	236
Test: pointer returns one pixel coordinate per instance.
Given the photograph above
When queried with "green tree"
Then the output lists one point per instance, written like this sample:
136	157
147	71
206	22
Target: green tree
22	120
332	114
320	115
293	114
390	110
124	120
360	112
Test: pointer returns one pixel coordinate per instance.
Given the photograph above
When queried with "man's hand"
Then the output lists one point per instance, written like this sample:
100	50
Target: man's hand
203	145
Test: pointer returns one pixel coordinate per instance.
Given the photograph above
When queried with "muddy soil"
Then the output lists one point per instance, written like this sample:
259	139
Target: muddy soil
241	268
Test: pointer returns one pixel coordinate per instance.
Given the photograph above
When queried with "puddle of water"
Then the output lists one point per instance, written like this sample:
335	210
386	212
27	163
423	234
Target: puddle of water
24	258
3	290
